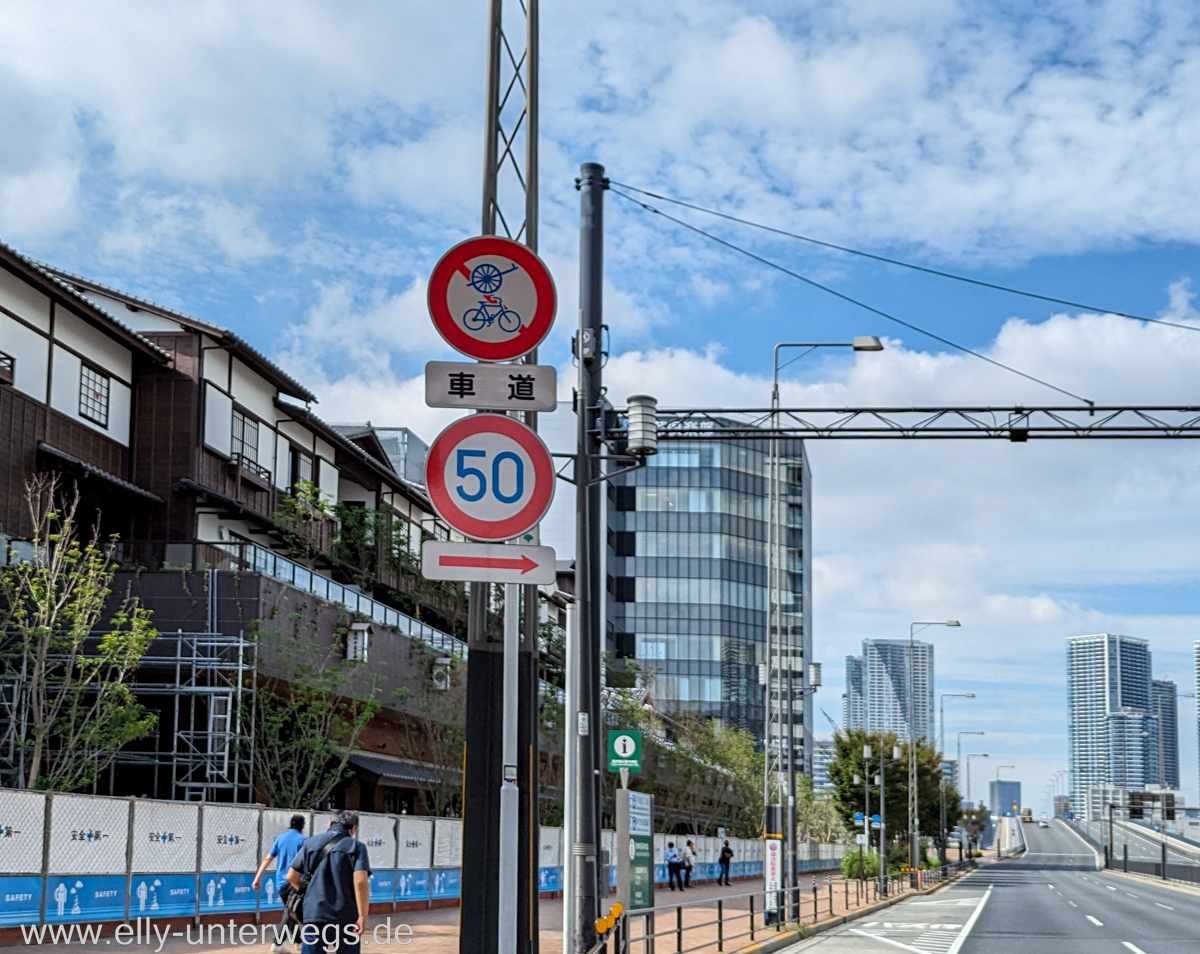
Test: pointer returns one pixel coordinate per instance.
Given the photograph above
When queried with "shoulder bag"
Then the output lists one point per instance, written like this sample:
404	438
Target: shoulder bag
294	902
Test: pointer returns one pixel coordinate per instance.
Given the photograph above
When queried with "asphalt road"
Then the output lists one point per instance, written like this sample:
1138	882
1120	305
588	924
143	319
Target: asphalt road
1051	900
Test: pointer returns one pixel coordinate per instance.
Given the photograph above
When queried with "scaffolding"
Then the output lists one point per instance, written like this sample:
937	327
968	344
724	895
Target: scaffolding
206	682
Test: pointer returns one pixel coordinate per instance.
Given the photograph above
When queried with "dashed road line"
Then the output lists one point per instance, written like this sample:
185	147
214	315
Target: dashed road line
1110	887
1094	920
1161	905
1133	947
1132	895
1073	904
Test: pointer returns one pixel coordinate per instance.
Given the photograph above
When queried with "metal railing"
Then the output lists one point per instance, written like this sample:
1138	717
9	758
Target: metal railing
745	918
244	556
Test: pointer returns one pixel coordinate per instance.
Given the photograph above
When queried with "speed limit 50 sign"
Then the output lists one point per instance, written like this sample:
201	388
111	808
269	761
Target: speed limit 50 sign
489	477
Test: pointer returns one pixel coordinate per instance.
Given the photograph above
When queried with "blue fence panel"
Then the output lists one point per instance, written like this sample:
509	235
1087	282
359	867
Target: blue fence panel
447	883
227	891
383	885
20	900
86	898
154	895
412	885
549	879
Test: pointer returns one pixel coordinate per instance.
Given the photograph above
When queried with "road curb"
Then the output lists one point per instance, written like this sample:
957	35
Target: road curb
792	936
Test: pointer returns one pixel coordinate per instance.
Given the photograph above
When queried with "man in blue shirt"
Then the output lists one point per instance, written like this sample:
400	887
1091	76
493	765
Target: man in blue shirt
283	851
674	865
338	896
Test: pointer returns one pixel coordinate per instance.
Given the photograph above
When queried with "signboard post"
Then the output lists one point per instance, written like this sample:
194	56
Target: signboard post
772	873
635	849
491	479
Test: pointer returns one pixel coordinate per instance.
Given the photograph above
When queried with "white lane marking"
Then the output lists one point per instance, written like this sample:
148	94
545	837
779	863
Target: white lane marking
1161	905
1073	904
1094	921
1110	887
1133	947
886	940
1131	894
962	937
1050	886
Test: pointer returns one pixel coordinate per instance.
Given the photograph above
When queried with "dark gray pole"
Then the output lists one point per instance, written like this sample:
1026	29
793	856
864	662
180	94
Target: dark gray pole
589	590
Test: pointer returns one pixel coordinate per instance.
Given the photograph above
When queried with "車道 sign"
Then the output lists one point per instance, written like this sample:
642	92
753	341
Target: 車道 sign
491	298
489	477
493	387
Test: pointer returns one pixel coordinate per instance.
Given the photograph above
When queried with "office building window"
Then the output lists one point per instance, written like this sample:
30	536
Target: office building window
245	436
93	395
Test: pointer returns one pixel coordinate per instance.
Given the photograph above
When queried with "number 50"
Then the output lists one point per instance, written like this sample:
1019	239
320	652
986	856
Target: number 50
464	470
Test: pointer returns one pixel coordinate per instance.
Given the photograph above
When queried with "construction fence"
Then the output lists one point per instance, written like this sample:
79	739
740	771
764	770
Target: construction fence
84	858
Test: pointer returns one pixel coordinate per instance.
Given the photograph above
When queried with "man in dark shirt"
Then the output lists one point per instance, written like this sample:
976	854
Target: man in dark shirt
338	896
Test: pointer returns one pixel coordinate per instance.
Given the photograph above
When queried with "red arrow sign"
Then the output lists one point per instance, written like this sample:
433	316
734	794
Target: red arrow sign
524	564
487	562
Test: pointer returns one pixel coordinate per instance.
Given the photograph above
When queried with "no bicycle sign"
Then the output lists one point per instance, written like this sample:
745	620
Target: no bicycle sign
491	298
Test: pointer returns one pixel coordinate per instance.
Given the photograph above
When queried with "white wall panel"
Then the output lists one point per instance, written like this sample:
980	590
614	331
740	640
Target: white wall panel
551	848
97	347
218	419
23	820
327	479
378	833
253	392
88	835
64	397
416	842
164	836
32	354
215	367
230	839
447	843
283	462
24	300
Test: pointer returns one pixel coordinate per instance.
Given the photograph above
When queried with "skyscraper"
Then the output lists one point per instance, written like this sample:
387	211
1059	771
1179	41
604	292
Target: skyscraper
852	698
877	689
688	574
1108	710
1165	707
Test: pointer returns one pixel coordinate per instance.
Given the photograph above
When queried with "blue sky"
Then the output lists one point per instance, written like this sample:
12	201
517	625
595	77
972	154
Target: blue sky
292	170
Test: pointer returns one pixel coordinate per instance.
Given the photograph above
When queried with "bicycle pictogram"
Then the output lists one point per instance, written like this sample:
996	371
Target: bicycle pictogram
486	279
492	310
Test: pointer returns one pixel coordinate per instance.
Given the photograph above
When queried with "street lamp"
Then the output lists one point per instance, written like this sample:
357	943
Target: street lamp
973	755
958	761
942	752
779	645
914	829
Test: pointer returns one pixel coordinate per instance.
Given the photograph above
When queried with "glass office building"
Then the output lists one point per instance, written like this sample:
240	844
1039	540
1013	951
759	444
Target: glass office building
688	577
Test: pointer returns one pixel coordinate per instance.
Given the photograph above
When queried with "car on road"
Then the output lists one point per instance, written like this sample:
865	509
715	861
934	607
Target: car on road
1043	824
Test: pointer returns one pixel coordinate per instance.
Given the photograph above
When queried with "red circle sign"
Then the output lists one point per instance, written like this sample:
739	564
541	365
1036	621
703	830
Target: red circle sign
490	477
492	298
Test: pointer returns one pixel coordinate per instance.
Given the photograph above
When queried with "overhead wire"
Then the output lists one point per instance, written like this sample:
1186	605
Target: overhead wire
844	297
900	262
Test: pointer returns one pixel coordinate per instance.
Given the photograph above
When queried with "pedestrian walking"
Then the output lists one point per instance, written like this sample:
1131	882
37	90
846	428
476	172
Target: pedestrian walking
671	857
689	859
724	860
283	850
332	869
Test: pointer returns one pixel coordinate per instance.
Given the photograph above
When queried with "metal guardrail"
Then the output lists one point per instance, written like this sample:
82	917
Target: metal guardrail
760	916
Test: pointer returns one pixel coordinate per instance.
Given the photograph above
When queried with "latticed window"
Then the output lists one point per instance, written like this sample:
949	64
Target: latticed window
245	436
93	395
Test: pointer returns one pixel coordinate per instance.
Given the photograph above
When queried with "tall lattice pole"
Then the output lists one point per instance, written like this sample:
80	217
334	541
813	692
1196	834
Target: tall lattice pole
509	208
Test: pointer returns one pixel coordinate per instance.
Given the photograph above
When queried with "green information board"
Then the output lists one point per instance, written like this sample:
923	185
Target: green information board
635	849
624	750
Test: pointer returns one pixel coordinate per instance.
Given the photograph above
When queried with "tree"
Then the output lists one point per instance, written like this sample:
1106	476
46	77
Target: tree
309	717
67	704
973	821
850	798
817	816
